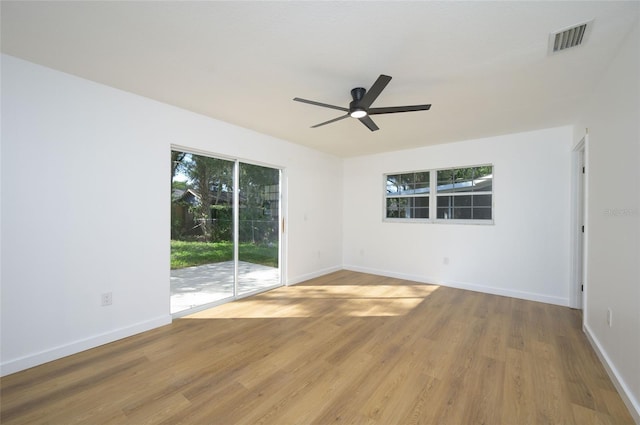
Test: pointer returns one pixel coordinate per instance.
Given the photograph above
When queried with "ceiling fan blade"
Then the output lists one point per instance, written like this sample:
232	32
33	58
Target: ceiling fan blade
366	120
325	105
375	90
394	109
330	121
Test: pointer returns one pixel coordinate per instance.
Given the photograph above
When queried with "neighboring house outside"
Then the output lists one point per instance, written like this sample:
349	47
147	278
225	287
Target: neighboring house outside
184	223
182	203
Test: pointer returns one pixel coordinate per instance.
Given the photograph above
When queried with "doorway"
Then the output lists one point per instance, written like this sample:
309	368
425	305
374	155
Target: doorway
225	230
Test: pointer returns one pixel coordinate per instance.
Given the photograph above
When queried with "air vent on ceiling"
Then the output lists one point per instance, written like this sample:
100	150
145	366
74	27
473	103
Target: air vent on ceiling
569	37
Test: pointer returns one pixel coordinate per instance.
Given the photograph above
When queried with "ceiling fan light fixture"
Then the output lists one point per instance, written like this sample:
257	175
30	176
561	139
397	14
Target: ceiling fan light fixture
358	113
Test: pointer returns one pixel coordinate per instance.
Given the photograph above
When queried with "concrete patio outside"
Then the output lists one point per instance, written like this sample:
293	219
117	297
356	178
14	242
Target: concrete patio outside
199	285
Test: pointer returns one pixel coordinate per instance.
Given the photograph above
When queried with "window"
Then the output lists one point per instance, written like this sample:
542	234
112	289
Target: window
408	195
460	194
465	193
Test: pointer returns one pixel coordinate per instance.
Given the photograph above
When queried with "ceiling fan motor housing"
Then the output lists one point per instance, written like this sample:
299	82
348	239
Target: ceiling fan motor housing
357	94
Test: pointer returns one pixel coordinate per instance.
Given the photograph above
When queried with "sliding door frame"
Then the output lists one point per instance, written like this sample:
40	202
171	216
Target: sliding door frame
282	240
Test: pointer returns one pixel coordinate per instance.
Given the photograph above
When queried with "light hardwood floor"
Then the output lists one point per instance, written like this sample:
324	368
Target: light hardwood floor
344	348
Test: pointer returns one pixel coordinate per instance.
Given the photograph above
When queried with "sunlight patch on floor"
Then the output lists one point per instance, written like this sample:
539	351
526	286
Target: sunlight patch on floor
306	301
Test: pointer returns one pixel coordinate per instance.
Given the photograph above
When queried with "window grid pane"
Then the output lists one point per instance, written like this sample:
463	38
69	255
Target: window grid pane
408	207
464	207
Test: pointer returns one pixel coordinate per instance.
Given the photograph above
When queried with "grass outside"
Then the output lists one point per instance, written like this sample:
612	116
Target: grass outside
187	254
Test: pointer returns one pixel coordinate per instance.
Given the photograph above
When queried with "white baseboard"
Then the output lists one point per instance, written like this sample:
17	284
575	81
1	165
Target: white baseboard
632	404
305	277
26	362
530	296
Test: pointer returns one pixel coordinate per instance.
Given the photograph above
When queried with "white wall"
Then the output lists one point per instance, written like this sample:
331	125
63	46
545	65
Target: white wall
85	209
525	254
613	219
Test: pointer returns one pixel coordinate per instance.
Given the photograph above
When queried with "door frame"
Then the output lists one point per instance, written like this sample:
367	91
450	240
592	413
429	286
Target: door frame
579	194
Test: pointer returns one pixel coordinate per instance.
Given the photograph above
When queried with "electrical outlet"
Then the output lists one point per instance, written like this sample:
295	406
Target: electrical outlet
106	299
609	317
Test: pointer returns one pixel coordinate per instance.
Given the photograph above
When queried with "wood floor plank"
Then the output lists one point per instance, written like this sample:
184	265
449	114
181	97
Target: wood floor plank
519	385
342	348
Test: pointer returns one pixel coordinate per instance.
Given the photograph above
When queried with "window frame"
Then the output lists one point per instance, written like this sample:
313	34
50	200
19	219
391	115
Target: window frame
386	196
433	197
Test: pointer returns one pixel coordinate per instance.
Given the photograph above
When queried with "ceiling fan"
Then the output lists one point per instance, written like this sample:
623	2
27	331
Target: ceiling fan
359	107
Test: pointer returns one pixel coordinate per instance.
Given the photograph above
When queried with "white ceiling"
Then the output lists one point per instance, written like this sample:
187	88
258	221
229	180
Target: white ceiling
482	65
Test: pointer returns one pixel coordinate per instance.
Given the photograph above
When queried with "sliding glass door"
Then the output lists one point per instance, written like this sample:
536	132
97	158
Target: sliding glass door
258	228
225	230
